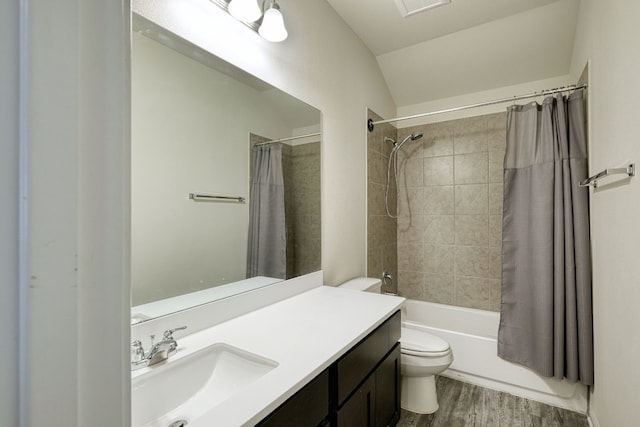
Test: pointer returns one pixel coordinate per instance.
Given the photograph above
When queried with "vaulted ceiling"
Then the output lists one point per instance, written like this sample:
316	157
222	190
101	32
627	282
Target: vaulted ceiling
466	46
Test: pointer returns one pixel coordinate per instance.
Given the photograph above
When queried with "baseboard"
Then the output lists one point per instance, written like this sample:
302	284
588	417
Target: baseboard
593	420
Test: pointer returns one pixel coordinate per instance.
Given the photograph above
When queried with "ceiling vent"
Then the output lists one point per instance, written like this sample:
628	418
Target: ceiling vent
411	7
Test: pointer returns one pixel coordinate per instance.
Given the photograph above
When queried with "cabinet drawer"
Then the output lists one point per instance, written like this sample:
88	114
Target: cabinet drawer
308	407
359	362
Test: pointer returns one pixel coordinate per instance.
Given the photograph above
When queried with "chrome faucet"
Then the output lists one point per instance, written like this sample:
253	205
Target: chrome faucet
159	351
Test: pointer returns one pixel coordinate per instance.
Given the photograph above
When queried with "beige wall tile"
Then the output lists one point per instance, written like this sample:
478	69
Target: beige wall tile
410	229
495	230
496	164
439	288
470	135
471	199
439	259
438	140
439	229
375	199
495	285
438	200
410	284
390	264
411	201
497	140
374	261
381	230
496	121
438	170
449	228
410	171
375	231
389	231
495	263
495	199
375	171
410	257
471	168
473	292
472	261
472	230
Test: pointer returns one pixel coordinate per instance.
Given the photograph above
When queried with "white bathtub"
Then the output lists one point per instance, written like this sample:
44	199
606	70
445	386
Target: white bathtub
472	335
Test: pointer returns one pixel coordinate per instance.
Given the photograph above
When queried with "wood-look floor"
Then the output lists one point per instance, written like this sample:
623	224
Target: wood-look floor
467	405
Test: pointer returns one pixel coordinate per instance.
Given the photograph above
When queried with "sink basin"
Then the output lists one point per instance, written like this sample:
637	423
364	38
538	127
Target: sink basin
186	388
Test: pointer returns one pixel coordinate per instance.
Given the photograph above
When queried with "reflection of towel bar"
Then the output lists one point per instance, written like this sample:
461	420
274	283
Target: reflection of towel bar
196	197
592	181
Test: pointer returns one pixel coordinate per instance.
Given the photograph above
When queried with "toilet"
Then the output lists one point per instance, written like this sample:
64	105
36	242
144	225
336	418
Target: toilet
423	355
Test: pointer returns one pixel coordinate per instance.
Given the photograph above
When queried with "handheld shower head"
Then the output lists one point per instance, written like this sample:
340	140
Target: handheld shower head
412	137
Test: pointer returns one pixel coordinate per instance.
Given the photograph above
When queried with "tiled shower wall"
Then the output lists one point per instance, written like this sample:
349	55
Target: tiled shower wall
301	167
382	248
450	218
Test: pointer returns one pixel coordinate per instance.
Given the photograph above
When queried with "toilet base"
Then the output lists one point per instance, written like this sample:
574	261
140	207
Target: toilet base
419	394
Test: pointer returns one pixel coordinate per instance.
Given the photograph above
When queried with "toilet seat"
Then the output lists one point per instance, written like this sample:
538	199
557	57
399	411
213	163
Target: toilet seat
420	343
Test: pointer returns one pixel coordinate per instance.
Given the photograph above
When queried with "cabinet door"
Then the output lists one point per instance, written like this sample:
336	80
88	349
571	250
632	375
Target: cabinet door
307	408
388	389
360	409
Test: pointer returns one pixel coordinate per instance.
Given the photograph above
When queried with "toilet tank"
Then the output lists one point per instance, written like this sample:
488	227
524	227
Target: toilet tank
367	284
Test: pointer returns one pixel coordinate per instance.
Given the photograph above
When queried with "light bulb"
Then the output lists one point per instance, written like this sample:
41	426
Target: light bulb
272	27
245	10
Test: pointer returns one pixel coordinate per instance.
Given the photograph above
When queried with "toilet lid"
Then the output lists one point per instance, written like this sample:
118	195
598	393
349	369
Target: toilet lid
422	342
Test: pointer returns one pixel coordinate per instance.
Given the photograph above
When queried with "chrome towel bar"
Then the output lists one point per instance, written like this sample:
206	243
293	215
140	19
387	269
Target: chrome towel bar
197	197
592	181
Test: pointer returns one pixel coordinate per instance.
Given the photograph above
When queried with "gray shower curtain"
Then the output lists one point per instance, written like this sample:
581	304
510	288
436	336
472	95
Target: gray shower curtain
546	316
267	245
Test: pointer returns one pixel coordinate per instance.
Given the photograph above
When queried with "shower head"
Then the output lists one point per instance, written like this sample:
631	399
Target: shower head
412	137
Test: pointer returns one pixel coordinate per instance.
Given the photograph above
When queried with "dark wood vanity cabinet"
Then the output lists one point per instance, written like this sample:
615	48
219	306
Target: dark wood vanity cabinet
362	388
366	380
307	408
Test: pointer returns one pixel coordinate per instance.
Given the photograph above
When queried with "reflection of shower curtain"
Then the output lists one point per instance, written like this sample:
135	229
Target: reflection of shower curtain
266	249
546	318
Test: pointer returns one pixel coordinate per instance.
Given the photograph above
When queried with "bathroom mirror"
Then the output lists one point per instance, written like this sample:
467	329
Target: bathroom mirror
195	119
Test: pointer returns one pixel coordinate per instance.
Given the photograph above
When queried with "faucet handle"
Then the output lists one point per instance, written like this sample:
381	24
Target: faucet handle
137	352
168	334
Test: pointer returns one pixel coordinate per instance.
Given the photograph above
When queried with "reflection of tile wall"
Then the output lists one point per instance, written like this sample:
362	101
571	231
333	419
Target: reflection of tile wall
381	229
450	220
303	219
288	208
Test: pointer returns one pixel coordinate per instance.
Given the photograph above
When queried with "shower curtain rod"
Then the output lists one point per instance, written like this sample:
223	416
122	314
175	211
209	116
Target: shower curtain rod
371	123
273	141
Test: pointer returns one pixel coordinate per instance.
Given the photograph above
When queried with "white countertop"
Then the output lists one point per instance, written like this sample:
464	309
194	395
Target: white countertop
305	334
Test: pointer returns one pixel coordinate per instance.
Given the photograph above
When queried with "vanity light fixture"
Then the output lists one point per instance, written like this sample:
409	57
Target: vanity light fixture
272	27
245	10
269	25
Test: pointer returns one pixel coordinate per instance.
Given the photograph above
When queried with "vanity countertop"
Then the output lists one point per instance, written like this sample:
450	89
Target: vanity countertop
305	334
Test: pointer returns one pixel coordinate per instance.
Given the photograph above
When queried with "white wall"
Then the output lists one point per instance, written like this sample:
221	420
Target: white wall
608	34
324	64
67	164
9	225
190	134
